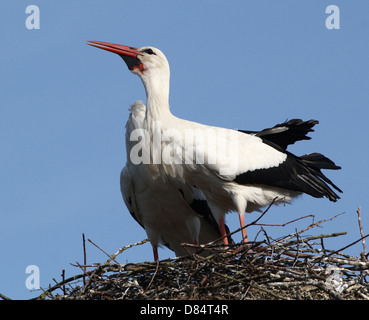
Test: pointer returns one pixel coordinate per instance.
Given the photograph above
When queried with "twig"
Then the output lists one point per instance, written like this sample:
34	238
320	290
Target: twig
84	256
85	284
349	245
103	251
4	297
298	249
153	276
113	256
63	279
311	226
361	230
265	211
286	223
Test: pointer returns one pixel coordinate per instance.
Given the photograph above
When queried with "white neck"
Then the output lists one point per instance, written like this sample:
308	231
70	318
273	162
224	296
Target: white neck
158	116
157	94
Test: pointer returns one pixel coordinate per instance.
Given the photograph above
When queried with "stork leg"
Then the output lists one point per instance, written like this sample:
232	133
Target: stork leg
223	231
243	231
155	251
197	249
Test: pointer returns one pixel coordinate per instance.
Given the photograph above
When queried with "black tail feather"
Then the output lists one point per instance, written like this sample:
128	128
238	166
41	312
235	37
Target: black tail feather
315	162
318	161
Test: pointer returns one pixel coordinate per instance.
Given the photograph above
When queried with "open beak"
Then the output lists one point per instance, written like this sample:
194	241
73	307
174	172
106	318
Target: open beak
116	48
129	54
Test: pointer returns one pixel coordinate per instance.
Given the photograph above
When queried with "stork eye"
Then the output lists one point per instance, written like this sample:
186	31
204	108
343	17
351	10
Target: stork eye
149	51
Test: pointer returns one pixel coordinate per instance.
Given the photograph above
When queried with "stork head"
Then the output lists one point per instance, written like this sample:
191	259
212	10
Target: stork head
145	61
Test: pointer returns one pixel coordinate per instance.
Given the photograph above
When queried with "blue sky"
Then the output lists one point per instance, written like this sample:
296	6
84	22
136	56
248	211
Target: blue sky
235	64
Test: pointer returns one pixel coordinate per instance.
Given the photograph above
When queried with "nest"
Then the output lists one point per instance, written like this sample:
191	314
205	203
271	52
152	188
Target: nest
292	267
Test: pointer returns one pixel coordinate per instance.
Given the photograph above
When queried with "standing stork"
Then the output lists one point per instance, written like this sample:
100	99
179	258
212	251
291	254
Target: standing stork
236	171
171	212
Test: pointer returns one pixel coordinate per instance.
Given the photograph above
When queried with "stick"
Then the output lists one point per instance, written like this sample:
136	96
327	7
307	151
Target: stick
84	257
349	245
85	285
313	225
102	251
153	276
361	230
4	297
113	256
63	279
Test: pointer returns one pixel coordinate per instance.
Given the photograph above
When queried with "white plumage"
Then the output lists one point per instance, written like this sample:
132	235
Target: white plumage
160	205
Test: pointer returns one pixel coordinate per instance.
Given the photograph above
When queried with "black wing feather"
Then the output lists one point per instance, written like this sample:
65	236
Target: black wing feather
286	133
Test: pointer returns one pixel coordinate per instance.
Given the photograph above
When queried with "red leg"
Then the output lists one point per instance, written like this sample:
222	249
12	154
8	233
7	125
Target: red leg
197	249
155	250
243	231
223	231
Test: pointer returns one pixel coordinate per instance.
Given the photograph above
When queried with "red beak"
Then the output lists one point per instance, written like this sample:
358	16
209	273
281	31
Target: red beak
129	54
115	48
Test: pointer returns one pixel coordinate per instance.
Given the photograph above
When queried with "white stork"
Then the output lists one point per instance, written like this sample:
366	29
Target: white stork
236	171
171	212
